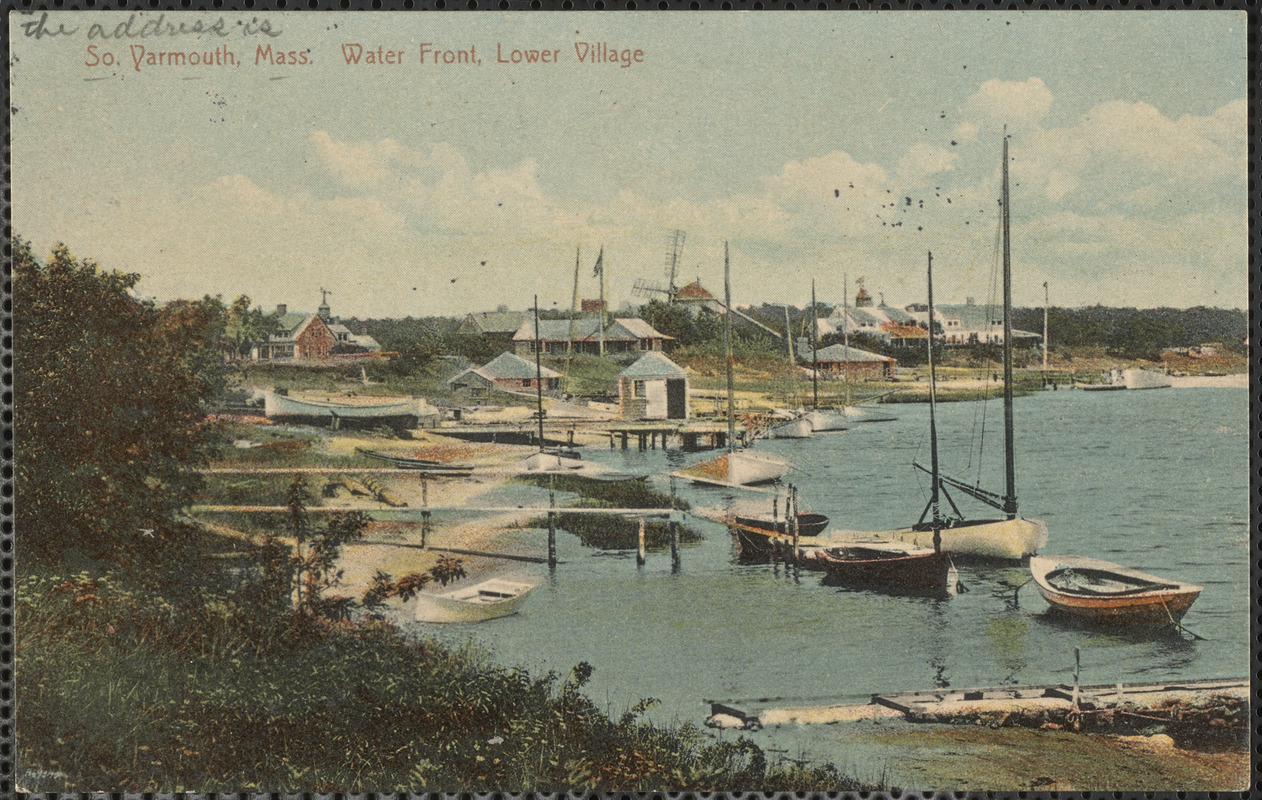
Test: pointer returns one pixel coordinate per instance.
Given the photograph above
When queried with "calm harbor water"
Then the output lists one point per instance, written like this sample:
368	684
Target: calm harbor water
1157	480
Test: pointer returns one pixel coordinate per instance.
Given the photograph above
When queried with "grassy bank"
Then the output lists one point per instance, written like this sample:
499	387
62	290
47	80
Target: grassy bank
614	531
227	692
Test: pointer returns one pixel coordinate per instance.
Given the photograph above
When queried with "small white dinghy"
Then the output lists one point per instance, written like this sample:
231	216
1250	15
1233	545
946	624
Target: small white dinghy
489	599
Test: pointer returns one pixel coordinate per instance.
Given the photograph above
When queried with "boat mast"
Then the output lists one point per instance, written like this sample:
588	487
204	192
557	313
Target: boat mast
845	327
569	344
1010	472
538	373
727	350
814	351
1046	303
933	422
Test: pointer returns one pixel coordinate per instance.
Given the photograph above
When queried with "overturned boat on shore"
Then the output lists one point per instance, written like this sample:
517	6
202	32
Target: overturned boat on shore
397	412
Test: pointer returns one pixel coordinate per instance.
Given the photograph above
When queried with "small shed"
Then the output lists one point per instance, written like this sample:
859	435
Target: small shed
851	362
654	387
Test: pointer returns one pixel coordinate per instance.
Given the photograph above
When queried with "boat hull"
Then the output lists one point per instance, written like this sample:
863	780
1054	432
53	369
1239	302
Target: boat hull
914	572
808	524
472	604
738	468
281	407
1004	539
799	428
1163	605
826	421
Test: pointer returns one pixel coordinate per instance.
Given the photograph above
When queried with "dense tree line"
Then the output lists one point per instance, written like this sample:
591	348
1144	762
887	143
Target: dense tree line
1135	332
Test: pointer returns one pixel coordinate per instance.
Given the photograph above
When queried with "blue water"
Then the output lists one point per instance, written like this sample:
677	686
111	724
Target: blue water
1156	480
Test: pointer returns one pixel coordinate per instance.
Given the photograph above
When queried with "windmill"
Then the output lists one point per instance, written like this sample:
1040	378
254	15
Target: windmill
674	252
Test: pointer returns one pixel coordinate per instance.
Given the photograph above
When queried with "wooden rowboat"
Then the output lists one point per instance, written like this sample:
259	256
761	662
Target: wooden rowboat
489	599
1100	591
888	566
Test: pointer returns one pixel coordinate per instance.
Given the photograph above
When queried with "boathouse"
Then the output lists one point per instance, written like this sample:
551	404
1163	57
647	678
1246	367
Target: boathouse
839	360
654	387
508	372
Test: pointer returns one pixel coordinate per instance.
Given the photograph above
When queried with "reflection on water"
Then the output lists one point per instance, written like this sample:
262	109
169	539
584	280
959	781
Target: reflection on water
722	629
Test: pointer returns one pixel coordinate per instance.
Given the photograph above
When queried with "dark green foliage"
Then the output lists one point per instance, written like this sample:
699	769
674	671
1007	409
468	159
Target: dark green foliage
1137	332
108	410
223	697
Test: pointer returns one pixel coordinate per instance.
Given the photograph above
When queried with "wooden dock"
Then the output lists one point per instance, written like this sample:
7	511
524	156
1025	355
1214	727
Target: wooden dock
690	437
944	705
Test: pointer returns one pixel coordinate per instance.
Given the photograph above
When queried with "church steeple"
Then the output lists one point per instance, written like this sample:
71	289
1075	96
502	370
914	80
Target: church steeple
324	312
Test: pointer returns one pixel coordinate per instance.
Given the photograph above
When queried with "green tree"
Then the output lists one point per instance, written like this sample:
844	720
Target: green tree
244	327
107	411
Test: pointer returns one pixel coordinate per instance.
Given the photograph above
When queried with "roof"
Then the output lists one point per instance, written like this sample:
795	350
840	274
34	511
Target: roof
693	291
633	328
874	316
843	354
558	330
497	321
653	365
511	365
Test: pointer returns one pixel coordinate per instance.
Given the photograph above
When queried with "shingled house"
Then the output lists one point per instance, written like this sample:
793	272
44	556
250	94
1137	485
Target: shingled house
654	387
621	336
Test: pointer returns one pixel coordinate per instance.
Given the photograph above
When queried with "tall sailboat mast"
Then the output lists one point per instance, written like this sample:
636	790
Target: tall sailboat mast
1010	471
933	419
727	350
539	373
814	351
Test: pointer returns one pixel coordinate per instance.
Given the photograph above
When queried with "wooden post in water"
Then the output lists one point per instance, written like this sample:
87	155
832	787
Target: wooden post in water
1077	665
552	531
425	512
793	521
674	529
639	553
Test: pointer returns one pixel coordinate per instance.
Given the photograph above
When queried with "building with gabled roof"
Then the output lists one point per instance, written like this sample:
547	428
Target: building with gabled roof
508	372
621	336
303	336
850	362
500	323
654	387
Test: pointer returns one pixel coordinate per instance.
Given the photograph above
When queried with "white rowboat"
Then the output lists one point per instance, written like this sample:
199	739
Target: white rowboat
489	599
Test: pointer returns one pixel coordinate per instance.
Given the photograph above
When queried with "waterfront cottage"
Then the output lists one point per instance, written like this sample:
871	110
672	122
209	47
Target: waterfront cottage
583	335
654	387
851	362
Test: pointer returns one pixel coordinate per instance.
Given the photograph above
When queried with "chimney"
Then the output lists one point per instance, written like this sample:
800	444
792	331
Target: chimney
501	307
281	308
968	301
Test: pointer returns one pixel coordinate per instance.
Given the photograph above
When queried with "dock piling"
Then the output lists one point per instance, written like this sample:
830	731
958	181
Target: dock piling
674	530
552	531
1077	666
425	512
639	553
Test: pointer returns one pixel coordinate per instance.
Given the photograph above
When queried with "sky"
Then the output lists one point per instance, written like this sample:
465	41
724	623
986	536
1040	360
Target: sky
821	146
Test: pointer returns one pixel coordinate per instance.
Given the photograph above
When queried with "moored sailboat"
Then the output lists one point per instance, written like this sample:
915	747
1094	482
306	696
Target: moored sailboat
735	467
1010	537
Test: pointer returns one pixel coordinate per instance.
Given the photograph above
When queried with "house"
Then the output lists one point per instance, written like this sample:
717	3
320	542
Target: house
583	335
496	326
508	372
654	387
893	326
850	362
960	325
302	336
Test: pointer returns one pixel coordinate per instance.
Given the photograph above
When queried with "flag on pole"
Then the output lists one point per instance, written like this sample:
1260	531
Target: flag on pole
600	264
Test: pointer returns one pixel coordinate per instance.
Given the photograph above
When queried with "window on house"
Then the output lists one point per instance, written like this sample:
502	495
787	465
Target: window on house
637	389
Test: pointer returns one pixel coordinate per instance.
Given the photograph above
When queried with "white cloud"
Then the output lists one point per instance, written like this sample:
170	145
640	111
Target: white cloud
1018	103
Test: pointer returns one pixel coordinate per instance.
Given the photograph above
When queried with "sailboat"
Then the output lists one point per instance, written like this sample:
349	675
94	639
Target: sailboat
735	467
851	414
1010	537
893	565
789	423
821	420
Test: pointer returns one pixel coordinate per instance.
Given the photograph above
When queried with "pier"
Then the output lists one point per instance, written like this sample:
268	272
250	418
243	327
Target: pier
690	438
999	705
